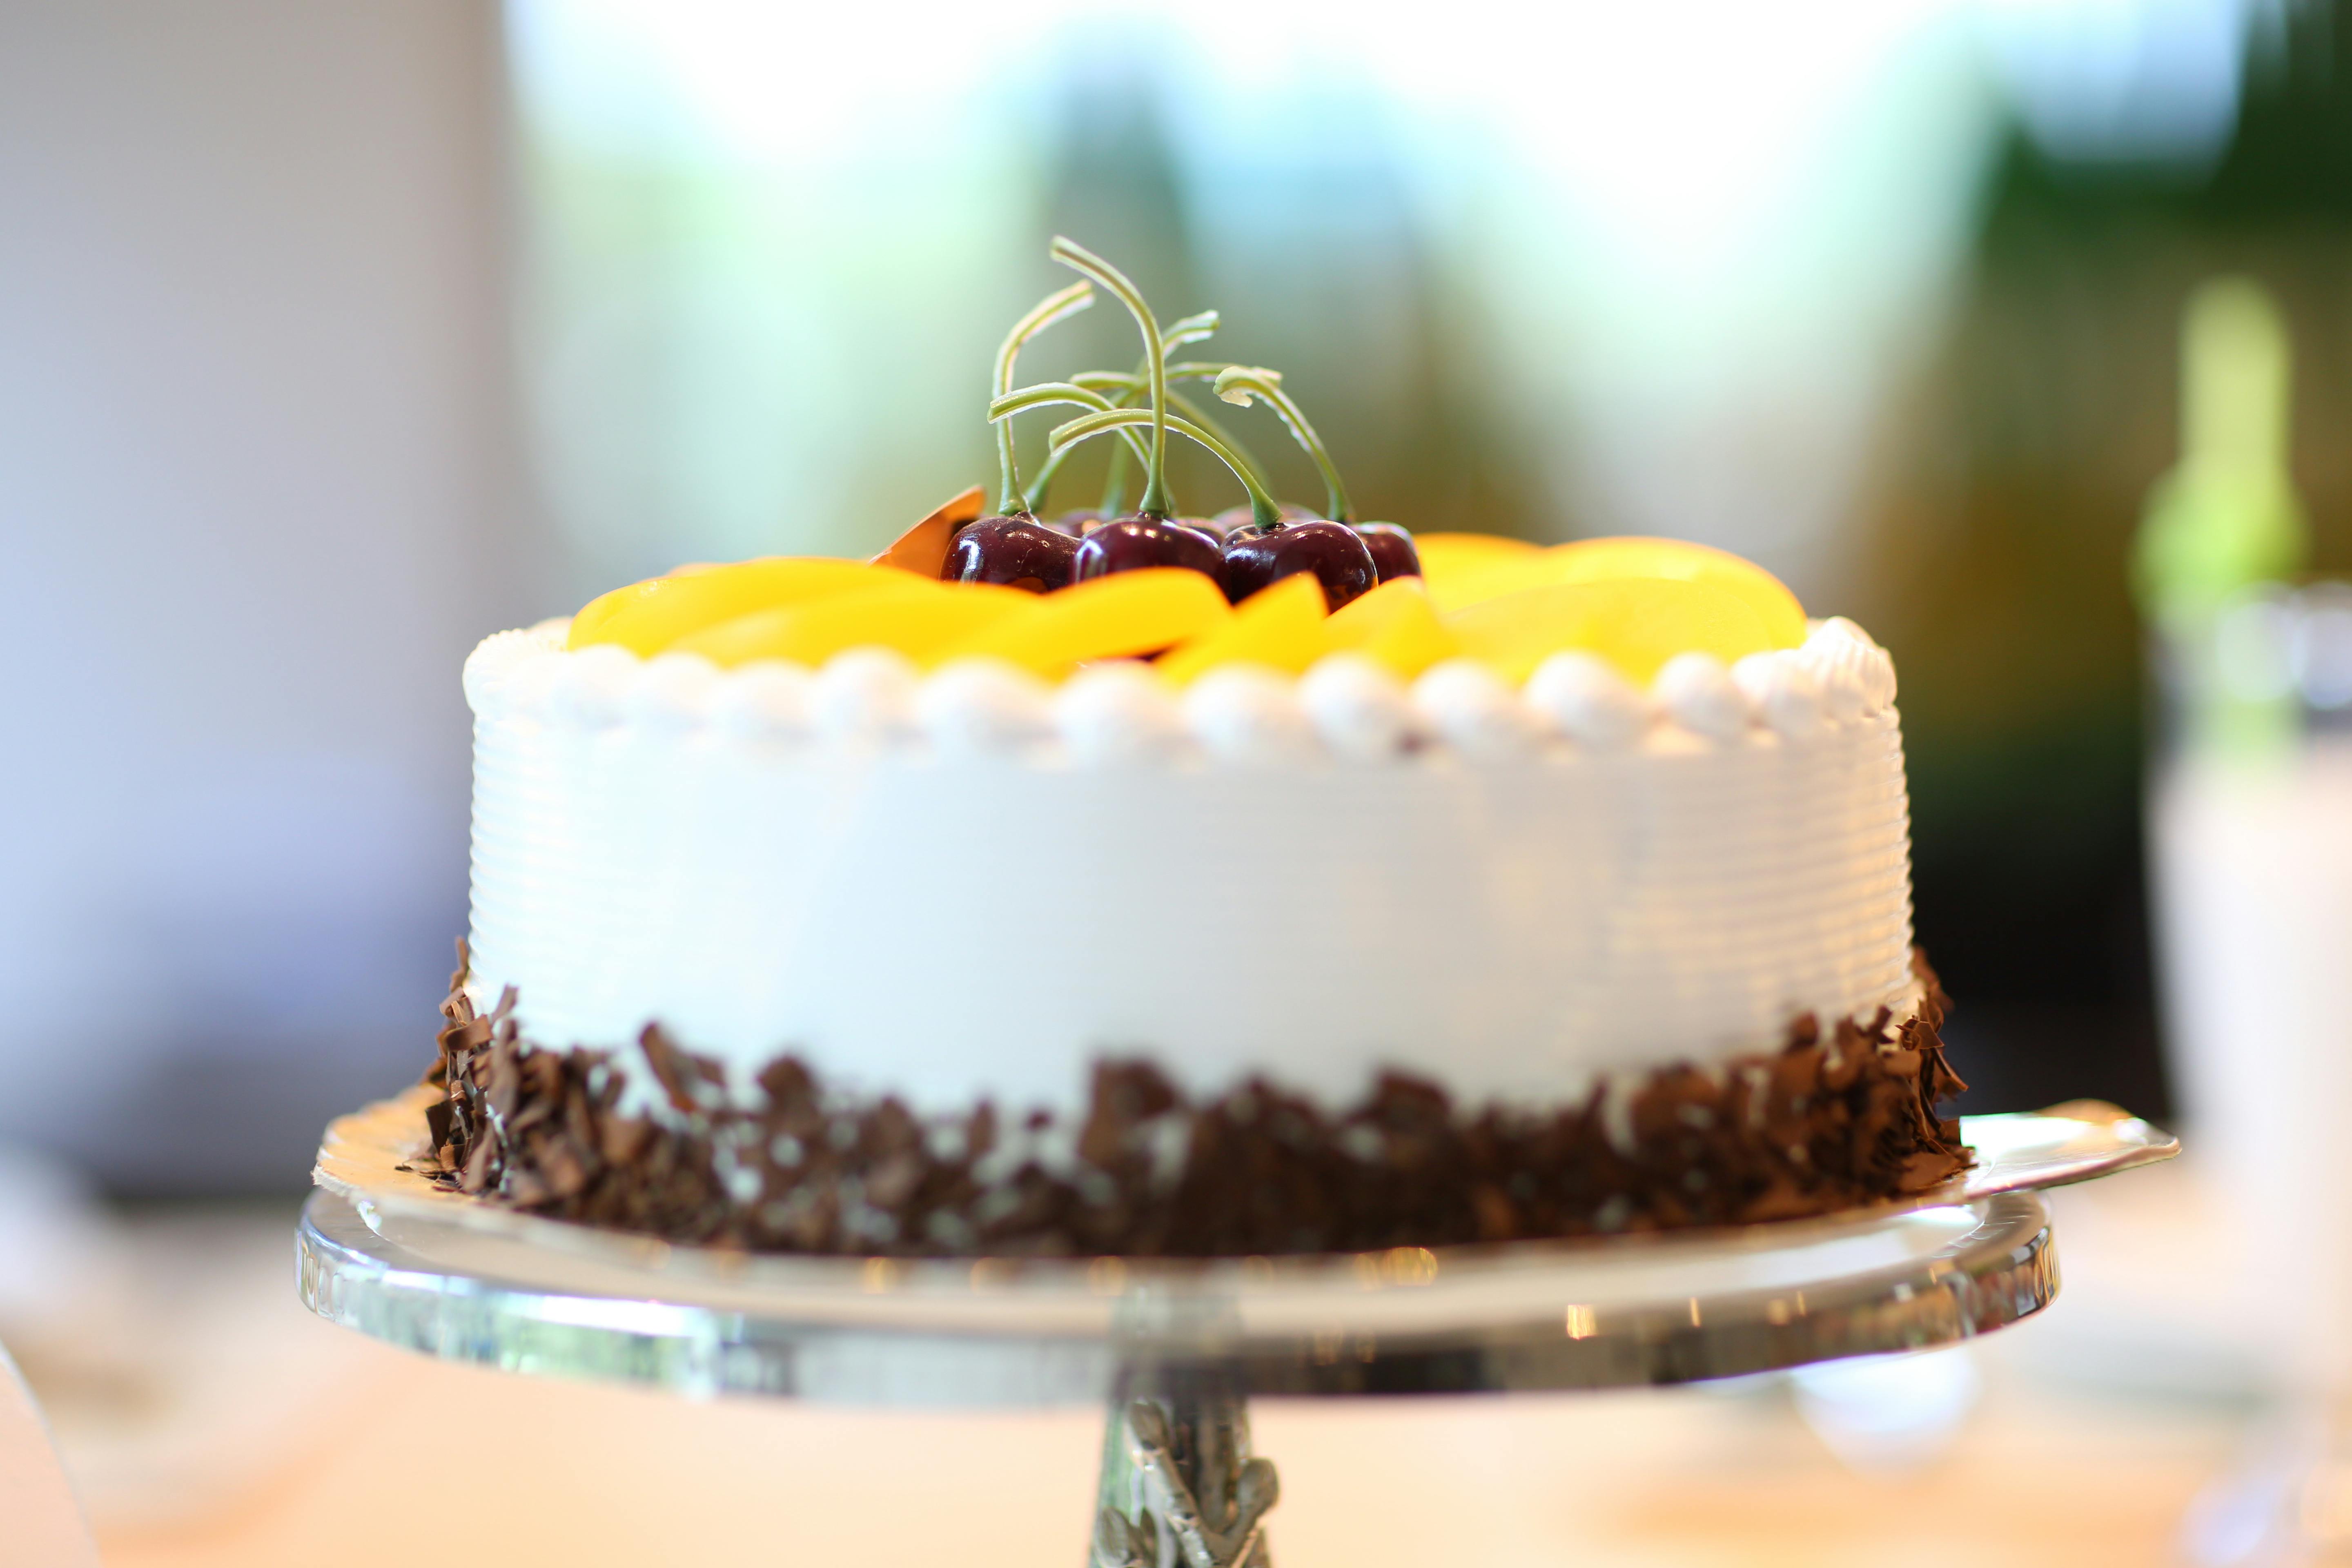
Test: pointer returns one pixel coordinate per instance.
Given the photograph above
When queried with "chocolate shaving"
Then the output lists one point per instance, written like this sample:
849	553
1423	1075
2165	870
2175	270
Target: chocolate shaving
1822	1125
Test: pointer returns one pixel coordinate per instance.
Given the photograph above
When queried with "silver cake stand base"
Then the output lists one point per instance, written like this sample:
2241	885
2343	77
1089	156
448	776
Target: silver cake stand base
1176	1349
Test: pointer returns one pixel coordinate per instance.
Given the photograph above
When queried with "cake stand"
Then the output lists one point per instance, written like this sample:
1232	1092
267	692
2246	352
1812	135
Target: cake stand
1176	1349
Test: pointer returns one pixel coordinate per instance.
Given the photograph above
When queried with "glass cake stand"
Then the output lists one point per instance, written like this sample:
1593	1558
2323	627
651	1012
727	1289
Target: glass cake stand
1175	1349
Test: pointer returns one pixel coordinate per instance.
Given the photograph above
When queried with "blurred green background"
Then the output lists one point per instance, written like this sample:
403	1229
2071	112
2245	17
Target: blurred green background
337	337
1886	297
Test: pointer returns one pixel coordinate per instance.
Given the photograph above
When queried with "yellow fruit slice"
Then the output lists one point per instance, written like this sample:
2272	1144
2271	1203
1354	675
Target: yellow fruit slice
1635	623
1455	550
1280	627
1395	625
1116	616
1598	560
650	617
909	614
1608	560
602	608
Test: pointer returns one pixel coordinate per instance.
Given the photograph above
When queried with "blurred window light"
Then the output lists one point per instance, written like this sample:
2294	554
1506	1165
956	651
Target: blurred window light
2253	644
2146	81
1672	254
2322	646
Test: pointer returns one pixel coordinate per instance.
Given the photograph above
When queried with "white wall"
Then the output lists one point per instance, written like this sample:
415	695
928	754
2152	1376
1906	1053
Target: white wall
256	499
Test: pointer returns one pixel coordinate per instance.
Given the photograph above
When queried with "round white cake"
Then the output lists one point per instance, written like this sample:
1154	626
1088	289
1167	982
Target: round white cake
970	886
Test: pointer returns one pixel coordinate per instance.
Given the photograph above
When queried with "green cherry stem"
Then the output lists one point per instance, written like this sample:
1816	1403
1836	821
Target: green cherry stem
1112	381
1237	383
1191	330
1046	395
1114	493
1263	510
1054	307
1077	256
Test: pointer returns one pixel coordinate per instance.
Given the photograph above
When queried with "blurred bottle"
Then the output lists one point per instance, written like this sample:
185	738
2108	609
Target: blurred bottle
2249	821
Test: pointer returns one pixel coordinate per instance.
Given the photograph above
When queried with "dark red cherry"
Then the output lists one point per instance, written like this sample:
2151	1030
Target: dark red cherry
1334	552
1392	549
1135	540
1235	517
1018	551
1208	525
1077	524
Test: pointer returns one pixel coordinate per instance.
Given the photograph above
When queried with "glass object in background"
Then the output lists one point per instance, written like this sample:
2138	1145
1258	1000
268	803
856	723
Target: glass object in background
2250	810
2249	824
2251	827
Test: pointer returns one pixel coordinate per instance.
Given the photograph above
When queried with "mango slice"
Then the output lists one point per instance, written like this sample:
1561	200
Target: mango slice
654	614
1608	560
1635	623
1394	626
1457	550
915	616
923	549
1280	627
1118	616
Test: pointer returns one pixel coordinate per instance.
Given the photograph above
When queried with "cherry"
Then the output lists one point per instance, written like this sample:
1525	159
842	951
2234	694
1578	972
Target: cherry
1018	551
1392	549
1235	517
1136	541
1336	553
1077	524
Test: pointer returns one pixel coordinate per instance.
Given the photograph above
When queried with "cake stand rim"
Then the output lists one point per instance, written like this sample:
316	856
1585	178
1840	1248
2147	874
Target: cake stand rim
363	1156
2003	1268
424	1268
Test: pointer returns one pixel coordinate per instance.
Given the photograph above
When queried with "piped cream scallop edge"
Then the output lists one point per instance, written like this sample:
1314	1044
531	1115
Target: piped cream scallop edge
1344	710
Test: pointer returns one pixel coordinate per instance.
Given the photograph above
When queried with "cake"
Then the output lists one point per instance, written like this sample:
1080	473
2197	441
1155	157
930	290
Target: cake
1164	887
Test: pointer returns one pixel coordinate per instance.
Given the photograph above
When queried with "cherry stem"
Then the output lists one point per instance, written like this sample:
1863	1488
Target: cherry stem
1180	403
1263	510
1237	383
1191	330
1054	307
1046	395
1070	253
1114	491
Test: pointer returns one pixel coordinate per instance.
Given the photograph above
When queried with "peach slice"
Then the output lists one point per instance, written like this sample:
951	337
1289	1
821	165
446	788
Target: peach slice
1608	560
648	618
1118	616
1598	560
1394	626
915	616
923	549
1460	550
1280	627
1635	623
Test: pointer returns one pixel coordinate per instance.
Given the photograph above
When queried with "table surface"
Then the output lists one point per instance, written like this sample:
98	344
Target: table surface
230	1427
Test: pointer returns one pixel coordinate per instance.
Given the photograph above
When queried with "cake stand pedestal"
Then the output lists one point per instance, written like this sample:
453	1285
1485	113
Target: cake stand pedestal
1175	1349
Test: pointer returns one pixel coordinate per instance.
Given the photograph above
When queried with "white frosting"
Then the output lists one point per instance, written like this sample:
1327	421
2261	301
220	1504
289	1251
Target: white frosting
1360	710
964	884
1700	694
1855	675
984	707
1589	702
1783	691
673	692
1116	714
767	701
1468	705
865	695
1250	716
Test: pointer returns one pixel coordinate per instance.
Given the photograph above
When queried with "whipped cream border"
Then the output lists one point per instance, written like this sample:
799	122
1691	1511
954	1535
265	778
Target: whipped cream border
1346	708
